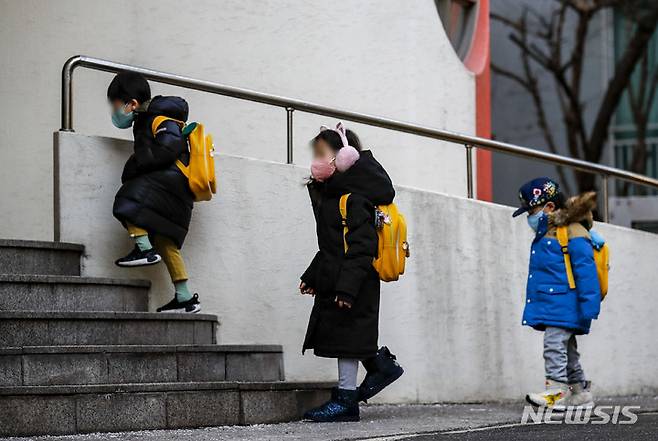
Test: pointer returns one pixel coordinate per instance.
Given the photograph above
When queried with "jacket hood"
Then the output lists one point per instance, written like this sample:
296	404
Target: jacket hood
577	209
366	177
169	106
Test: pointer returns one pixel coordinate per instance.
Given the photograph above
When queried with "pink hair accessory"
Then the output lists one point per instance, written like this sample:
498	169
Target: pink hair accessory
346	156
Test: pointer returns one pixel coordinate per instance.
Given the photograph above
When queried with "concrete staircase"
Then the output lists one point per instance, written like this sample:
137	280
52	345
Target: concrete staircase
81	355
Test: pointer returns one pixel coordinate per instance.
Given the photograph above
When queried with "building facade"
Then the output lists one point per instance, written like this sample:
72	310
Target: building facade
515	118
387	58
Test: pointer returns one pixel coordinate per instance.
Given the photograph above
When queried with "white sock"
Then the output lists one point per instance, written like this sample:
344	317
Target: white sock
348	368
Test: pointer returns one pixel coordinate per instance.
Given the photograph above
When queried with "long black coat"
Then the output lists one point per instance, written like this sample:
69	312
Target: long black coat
155	194
340	332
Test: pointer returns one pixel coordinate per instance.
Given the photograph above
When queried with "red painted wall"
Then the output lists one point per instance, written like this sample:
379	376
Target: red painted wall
478	61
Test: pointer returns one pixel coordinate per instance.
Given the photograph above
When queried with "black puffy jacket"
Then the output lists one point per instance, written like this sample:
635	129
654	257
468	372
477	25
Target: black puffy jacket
155	194
340	332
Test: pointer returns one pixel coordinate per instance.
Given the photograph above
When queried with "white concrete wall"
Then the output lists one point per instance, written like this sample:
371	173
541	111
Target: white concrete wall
453	319
383	57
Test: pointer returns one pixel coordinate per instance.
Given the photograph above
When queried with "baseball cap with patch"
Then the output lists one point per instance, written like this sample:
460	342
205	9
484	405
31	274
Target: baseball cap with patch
537	192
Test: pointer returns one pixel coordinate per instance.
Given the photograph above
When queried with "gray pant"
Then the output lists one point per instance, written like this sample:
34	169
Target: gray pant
561	357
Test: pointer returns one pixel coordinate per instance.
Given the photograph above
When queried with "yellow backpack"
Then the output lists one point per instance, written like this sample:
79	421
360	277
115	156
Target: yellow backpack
200	173
601	258
393	248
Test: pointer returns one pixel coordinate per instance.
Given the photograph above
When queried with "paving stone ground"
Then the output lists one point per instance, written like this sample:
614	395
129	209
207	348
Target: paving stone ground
378	423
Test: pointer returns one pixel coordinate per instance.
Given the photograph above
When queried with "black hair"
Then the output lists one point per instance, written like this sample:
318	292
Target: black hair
127	86
560	201
333	139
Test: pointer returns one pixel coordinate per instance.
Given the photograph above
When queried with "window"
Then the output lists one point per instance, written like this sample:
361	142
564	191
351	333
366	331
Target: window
650	226
625	130
458	18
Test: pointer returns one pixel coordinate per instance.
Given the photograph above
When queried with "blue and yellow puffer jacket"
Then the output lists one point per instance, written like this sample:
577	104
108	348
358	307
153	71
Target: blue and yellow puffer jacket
549	300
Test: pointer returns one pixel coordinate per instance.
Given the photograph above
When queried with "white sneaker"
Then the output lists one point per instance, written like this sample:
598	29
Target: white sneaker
554	397
581	396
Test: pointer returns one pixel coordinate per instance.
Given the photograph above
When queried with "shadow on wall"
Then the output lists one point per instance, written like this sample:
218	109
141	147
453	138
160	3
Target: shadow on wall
453	319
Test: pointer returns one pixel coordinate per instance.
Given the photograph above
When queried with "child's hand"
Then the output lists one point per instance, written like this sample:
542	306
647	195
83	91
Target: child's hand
305	289
343	303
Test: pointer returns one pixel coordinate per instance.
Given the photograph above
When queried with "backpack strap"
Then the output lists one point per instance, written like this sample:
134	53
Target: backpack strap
342	206
158	120
401	234
404	252
155	125
563	238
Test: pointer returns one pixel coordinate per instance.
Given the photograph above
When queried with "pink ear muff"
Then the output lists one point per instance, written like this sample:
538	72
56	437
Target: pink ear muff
346	157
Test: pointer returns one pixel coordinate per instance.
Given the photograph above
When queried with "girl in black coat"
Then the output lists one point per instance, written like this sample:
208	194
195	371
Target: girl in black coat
154	201
344	322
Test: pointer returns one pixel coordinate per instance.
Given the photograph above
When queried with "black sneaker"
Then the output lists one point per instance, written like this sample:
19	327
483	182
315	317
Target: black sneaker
138	257
382	370
193	305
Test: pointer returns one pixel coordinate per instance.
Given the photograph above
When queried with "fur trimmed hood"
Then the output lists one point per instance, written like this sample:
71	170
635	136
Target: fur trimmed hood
577	209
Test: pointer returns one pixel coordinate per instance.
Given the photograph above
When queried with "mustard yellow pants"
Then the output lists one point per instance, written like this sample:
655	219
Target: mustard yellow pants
170	253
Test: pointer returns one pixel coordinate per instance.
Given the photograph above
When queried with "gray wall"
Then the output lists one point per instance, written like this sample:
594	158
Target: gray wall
453	319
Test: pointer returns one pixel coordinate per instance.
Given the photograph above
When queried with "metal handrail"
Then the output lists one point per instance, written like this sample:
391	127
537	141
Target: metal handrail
291	105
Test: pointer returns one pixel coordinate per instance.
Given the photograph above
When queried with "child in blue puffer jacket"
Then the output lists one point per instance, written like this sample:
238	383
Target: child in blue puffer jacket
551	305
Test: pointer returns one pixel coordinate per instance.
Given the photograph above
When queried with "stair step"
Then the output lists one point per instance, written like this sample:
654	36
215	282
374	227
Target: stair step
80	365
34	257
71	293
61	410
29	328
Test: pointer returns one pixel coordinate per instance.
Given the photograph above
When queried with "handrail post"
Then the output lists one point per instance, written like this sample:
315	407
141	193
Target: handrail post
289	113
606	199
469	171
67	93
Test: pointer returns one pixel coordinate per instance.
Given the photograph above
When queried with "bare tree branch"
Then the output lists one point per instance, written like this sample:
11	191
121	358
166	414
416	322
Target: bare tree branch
541	42
641	102
652	90
511	75
530	83
573	113
620	80
575	116
510	23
